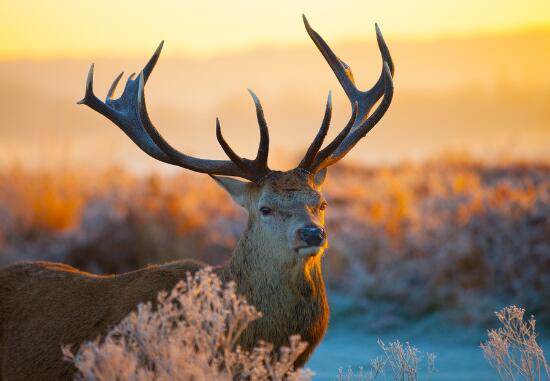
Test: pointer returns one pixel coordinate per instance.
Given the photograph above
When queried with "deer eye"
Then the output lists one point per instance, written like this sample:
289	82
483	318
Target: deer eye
266	211
323	205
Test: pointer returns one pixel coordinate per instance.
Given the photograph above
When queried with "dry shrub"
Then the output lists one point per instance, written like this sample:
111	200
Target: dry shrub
513	351
190	334
442	235
401	361
113	221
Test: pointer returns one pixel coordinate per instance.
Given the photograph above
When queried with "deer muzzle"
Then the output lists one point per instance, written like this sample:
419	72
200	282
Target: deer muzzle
311	240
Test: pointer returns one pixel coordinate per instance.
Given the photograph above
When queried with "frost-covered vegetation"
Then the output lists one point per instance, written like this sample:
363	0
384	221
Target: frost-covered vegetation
191	334
513	350
445	234
399	362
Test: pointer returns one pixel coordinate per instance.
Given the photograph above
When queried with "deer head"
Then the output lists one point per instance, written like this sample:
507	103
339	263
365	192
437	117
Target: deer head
286	209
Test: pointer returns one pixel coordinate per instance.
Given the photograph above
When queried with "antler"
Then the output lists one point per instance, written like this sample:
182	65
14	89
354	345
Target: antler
362	102
129	113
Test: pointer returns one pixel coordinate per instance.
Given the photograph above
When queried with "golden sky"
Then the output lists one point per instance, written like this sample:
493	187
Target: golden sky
62	28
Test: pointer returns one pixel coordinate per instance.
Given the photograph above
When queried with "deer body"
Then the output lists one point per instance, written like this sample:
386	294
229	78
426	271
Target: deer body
276	264
32	333
46	304
63	305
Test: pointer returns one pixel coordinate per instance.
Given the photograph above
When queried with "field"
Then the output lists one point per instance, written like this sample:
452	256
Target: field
449	234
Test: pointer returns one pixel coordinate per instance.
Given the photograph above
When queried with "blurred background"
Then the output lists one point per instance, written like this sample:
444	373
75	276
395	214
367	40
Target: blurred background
439	217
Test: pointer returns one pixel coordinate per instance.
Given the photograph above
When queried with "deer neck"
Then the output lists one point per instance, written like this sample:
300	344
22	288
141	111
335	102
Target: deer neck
290	294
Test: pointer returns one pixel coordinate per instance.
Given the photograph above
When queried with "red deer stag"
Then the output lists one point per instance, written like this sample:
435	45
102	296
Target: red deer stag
276	264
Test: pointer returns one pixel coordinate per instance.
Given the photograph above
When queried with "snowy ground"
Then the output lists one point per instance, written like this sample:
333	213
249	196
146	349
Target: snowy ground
349	343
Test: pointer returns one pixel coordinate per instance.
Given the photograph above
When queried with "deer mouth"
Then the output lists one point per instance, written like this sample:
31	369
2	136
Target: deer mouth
309	251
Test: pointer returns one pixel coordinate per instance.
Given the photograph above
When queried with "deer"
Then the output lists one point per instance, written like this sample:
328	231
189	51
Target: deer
276	264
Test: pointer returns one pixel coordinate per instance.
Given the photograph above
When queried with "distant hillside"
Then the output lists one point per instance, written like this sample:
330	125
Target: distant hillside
487	95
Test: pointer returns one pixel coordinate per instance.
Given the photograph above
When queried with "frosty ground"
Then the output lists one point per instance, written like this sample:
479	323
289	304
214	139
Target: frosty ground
350	343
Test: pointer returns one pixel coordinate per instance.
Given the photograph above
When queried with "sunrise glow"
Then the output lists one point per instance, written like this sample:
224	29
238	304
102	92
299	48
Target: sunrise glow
61	28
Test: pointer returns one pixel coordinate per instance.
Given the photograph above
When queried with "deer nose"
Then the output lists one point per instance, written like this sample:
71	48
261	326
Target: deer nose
312	235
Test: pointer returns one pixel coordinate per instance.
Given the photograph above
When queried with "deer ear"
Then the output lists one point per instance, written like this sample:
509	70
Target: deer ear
319	177
236	188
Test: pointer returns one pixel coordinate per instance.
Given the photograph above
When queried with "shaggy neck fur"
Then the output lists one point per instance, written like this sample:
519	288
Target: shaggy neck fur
291	302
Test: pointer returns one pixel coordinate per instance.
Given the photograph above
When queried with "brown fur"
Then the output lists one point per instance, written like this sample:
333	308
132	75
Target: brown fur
45	305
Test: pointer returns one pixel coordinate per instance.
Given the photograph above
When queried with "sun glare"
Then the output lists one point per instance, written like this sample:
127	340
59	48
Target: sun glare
62	28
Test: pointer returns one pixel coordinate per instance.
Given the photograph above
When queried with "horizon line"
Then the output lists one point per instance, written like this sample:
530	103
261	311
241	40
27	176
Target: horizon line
243	49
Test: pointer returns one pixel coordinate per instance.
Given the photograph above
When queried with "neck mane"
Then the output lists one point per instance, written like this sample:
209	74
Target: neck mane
291	295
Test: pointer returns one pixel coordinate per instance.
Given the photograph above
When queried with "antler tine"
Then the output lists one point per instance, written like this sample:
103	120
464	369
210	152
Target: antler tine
148	68
226	148
341	70
90	98
112	89
259	164
384	51
89	92
324	158
263	147
365	100
319	138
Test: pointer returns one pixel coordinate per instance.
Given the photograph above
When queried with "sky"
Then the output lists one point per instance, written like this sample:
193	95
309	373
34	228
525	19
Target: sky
471	76
76	29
